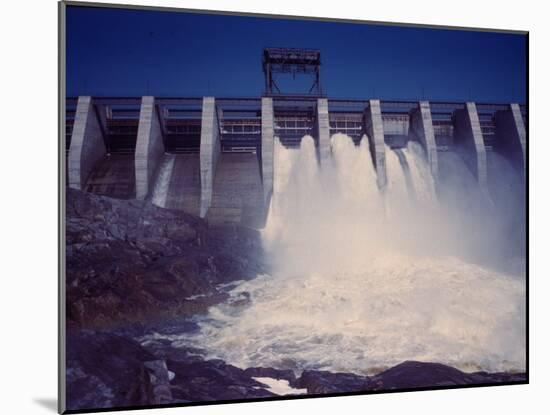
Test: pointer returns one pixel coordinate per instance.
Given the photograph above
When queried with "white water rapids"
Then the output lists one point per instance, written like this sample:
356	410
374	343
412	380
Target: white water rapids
364	279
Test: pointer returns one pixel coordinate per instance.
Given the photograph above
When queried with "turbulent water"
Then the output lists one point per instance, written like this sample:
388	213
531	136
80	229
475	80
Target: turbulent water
365	279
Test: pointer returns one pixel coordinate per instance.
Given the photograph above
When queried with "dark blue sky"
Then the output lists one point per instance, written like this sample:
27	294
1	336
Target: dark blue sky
121	52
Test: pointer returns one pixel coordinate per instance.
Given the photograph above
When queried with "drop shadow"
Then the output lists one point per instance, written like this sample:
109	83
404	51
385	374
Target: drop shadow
48	403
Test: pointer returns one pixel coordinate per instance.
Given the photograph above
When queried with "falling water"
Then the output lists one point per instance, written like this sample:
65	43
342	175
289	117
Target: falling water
364	279
161	187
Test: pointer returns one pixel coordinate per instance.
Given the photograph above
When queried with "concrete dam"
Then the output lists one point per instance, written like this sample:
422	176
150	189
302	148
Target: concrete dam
214	157
392	230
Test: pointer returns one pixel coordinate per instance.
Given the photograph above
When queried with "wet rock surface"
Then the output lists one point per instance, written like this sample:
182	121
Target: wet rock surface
322	382
137	273
105	370
108	370
407	375
423	375
132	262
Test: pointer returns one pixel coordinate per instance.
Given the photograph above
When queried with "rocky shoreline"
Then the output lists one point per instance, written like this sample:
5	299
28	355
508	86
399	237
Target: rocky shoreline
130	262
109	370
132	266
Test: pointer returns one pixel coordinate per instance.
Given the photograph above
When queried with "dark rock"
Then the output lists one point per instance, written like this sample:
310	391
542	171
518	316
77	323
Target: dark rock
132	262
499	377
406	375
321	382
213	380
163	349
159	378
418	374
105	371
108	371
421	375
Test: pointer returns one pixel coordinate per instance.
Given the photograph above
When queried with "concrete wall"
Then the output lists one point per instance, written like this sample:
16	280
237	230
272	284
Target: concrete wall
87	143
268	143
469	141
375	132
114	176
512	137
178	183
149	147
323	129
395	125
209	151
237	196
421	129
185	187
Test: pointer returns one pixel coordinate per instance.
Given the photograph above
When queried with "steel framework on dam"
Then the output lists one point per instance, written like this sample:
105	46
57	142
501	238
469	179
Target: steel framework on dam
294	62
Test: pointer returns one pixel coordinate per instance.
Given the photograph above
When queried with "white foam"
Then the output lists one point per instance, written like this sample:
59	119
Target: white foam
162	185
400	308
279	386
365	279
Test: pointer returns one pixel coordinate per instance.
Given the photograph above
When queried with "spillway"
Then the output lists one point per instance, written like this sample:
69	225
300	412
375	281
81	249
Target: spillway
113	176
178	183
365	278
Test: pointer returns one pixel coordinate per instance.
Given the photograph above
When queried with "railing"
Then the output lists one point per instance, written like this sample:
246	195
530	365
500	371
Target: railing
180	113
192	127
239	149
182	135
240	127
121	135
123	113
294	117
346	123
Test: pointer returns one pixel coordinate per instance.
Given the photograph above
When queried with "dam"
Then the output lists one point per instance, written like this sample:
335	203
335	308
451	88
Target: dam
215	156
393	230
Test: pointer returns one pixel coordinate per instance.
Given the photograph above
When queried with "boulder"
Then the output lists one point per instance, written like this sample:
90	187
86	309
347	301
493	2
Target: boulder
105	371
413	374
213	380
322	382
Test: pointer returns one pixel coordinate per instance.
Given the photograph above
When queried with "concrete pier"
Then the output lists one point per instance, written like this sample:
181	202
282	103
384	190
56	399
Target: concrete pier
268	143
323	128
469	139
512	136
149	147
421	129
375	132
210	149
87	143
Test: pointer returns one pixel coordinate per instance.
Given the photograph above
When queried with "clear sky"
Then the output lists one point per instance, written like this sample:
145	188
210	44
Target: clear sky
117	52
